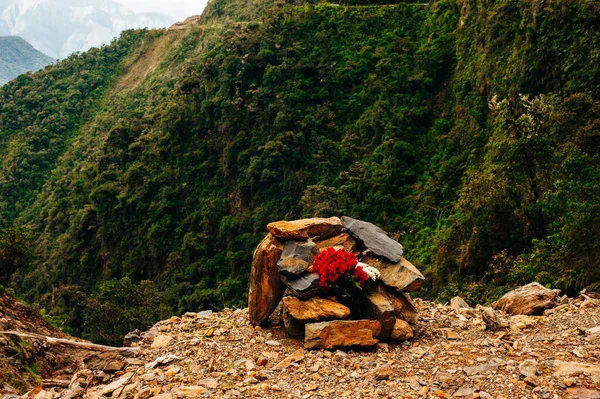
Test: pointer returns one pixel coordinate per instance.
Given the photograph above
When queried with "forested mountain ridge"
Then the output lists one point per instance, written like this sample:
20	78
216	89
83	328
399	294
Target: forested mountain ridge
17	57
469	129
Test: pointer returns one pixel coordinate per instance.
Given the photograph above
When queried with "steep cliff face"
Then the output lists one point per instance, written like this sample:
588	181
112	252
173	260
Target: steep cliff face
163	156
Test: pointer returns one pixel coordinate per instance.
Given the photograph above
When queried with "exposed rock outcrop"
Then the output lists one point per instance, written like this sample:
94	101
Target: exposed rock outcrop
344	240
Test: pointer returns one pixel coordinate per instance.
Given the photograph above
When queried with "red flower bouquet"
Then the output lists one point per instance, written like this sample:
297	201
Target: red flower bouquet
338	270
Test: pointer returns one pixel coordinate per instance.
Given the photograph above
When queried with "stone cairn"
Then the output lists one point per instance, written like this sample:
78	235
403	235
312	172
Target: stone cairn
280	273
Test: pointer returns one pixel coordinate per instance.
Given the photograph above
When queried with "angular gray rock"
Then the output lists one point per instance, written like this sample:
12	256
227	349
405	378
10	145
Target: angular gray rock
296	258
529	299
305	286
374	238
490	318
205	313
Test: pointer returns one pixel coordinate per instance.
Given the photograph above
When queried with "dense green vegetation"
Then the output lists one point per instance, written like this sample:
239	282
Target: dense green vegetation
17	57
15	251
468	129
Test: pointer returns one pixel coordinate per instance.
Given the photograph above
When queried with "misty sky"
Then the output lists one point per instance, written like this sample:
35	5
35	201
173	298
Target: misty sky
178	9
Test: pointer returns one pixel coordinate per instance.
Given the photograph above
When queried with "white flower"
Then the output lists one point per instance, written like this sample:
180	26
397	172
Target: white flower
371	271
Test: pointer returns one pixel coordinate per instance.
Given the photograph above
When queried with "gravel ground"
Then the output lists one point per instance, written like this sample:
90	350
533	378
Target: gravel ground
453	355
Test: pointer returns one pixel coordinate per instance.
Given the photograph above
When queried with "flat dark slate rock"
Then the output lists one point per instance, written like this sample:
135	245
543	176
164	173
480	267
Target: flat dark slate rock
296	258
305	286
374	238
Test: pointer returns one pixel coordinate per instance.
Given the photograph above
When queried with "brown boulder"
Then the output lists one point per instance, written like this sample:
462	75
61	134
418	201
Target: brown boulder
402	331
306	228
457	303
378	307
402	304
402	276
296	313
345	240
341	334
315	309
266	287
529	299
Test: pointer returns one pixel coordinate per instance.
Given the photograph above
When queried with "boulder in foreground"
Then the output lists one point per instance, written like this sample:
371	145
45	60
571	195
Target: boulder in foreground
342	334
529	299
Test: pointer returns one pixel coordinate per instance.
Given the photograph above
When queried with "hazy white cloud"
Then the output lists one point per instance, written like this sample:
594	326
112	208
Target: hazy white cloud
178	9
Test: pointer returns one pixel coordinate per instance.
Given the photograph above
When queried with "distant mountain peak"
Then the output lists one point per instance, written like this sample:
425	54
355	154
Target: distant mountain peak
17	56
59	27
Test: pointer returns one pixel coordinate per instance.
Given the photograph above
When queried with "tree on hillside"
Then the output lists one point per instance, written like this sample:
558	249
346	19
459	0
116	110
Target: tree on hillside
15	251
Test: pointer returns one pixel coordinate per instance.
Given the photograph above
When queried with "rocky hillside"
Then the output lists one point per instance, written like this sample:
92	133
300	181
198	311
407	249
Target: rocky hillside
457	352
468	129
17	57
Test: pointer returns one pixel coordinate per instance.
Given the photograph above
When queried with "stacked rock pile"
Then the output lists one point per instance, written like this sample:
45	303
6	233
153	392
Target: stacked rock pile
281	273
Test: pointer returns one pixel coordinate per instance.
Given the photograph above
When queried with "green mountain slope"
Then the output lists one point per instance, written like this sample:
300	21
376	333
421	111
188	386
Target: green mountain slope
17	57
467	129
